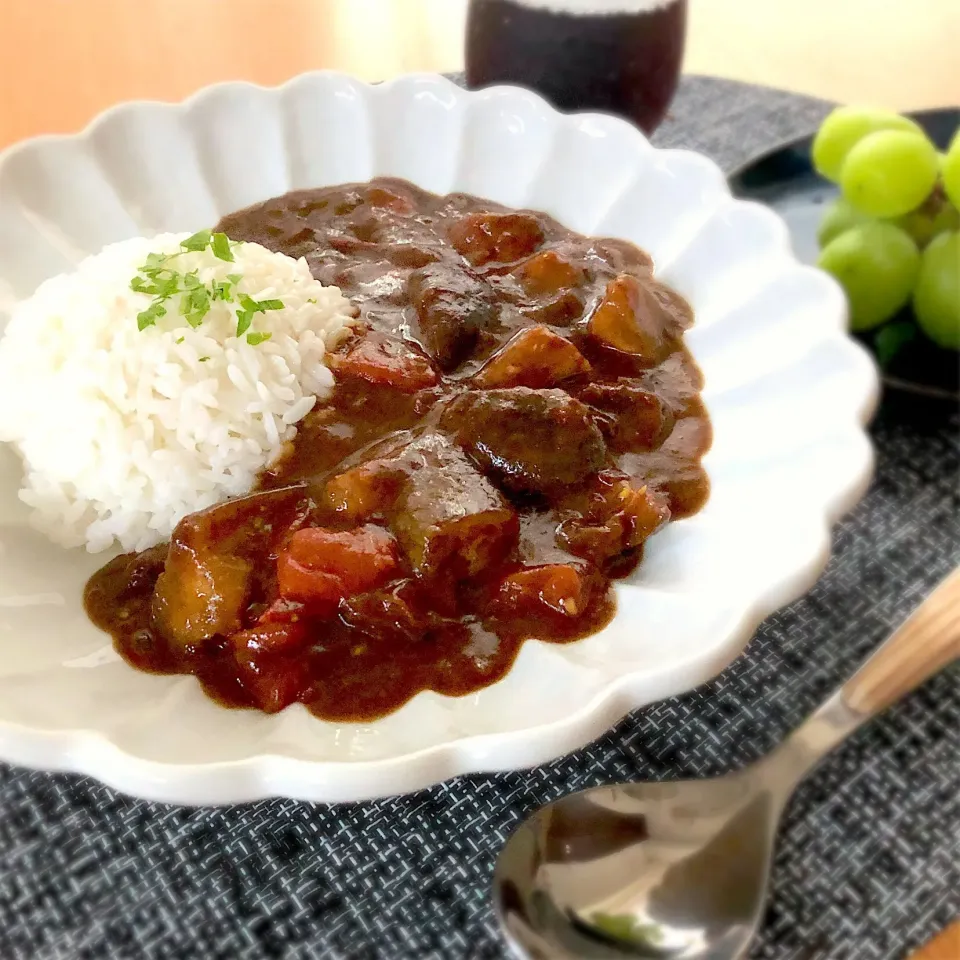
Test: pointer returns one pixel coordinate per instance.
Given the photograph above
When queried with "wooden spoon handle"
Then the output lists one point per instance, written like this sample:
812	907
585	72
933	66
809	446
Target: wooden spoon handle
924	645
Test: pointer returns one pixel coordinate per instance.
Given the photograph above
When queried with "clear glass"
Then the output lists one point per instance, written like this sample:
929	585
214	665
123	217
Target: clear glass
618	56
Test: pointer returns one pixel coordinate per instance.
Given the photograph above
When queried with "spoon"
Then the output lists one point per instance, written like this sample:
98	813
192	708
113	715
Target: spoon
678	871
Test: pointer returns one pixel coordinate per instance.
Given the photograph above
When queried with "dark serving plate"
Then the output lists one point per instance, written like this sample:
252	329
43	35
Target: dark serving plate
785	180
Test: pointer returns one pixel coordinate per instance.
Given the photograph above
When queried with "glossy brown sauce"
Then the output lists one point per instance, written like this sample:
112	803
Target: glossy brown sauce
514	415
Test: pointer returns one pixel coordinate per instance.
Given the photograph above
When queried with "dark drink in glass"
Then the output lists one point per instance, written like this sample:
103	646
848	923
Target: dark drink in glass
618	56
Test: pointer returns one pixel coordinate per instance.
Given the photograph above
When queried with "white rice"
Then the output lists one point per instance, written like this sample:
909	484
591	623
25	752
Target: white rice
123	432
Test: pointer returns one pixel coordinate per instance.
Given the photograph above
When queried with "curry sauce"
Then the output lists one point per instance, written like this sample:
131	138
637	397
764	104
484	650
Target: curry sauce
514	415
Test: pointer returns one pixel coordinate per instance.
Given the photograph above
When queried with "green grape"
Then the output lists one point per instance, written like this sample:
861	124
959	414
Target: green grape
891	338
876	264
950	170
936	299
844	127
889	173
929	220
838	218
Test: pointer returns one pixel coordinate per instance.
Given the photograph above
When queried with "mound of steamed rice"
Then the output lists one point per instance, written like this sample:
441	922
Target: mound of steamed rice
123	432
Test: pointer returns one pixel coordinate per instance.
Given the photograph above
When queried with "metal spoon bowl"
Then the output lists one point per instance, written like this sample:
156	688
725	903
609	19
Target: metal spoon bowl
679	870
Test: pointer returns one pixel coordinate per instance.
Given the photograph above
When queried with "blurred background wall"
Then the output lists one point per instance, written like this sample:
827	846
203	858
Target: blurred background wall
63	61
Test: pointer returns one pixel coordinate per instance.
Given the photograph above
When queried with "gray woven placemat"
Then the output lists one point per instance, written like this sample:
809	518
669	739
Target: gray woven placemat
869	857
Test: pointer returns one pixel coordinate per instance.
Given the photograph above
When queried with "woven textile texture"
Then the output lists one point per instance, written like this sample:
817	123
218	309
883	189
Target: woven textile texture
869	857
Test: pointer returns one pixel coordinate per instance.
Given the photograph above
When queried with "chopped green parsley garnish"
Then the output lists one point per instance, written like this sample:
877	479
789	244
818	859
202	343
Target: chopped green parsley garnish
249	308
199	241
221	246
158	278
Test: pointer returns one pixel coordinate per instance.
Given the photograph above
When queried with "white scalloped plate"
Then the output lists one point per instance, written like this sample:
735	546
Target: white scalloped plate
787	391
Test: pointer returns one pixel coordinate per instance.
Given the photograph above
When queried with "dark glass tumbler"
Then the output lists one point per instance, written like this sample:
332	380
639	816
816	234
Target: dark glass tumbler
618	56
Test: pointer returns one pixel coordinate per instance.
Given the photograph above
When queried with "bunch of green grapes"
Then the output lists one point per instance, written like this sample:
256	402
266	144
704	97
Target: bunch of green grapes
893	237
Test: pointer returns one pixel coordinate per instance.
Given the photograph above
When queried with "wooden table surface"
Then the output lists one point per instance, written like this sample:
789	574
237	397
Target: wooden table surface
63	61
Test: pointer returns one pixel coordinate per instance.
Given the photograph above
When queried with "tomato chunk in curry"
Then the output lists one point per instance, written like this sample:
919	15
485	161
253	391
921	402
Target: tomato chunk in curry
514	416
